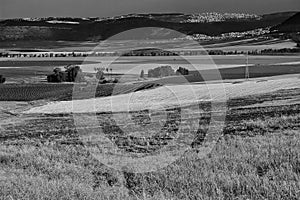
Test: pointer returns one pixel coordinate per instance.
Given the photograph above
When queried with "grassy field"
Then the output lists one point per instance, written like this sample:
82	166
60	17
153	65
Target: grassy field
258	157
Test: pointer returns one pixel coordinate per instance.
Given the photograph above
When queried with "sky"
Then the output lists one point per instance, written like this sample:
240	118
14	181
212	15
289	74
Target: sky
108	8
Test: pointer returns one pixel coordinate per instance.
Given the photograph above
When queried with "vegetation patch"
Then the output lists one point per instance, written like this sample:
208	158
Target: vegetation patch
257	157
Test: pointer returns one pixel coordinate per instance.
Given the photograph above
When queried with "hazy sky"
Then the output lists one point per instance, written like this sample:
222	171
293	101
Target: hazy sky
105	8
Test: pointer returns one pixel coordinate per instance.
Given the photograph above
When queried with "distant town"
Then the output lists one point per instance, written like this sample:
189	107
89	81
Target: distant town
220	17
232	35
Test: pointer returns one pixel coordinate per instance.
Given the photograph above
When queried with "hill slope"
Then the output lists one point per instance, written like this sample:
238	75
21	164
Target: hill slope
290	25
78	29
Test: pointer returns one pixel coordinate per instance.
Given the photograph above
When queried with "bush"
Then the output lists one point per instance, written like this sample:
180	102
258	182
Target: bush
71	74
115	80
161	72
104	81
182	71
2	80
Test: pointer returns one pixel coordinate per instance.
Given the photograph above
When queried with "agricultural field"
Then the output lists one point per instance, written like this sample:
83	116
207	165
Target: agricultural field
252	44
59	92
169	96
36	69
112	45
256	157
134	65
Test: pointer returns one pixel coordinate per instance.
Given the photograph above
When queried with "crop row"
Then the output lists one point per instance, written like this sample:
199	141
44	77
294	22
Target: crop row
31	92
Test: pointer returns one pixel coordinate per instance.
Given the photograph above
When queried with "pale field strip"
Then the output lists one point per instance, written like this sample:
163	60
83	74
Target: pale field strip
289	63
293	101
170	45
258	47
61	22
167	97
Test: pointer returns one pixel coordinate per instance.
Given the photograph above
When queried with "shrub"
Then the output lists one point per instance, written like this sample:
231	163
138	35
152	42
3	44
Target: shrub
182	71
115	80
161	71
2	79
71	74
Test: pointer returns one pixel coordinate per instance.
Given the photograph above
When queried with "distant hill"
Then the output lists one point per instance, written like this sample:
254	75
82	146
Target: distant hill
290	25
81	29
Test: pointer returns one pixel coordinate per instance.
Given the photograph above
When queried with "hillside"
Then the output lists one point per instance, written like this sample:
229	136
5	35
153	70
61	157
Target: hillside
79	29
290	25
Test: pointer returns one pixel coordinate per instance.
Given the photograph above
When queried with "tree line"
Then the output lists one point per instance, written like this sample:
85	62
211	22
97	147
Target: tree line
185	53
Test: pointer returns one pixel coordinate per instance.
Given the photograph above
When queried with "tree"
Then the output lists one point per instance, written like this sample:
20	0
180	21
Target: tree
142	74
100	74
71	74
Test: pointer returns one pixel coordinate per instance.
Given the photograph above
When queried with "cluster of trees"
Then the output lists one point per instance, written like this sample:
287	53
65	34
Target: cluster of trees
280	51
164	71
2	79
141	53
71	74
66	54
150	52
161	71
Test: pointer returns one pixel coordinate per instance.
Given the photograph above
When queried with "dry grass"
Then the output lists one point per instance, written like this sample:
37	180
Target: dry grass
261	167
258	158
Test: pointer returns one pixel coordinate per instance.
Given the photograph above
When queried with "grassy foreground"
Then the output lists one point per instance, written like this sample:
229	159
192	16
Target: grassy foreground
258	158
